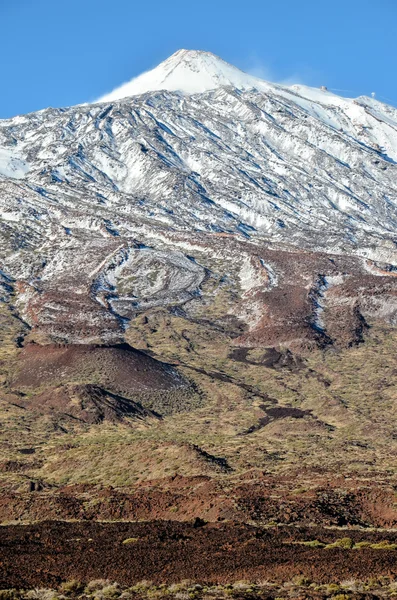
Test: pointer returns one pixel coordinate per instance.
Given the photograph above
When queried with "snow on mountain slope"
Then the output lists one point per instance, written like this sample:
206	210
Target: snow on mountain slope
189	72
11	165
151	184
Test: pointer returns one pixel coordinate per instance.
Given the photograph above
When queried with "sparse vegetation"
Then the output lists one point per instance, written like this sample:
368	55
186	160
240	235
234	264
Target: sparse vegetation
344	543
348	544
343	395
384	545
313	544
189	590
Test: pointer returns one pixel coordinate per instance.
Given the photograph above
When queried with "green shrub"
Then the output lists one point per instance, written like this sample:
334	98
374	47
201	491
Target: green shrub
384	545
142	586
302	580
111	591
313	544
71	587
345	543
333	588
8	595
362	545
96	585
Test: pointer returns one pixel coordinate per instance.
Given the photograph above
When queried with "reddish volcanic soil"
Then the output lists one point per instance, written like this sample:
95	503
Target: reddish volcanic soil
51	552
334	503
87	403
94	383
119	366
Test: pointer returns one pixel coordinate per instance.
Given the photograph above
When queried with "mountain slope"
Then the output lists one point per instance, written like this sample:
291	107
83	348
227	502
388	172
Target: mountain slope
114	208
189	72
198	308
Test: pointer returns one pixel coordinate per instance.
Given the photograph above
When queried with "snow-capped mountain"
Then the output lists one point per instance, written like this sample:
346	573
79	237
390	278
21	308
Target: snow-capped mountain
188	72
196	171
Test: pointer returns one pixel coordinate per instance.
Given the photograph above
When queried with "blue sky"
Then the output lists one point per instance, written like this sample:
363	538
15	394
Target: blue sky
62	53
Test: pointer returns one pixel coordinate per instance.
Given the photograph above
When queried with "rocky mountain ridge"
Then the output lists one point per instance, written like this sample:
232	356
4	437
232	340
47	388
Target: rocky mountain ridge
216	184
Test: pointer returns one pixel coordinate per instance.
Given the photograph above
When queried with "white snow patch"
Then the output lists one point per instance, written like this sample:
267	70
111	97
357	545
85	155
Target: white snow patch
254	273
11	165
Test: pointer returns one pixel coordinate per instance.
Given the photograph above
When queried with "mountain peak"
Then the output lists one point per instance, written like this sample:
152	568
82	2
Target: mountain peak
188	72
184	53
